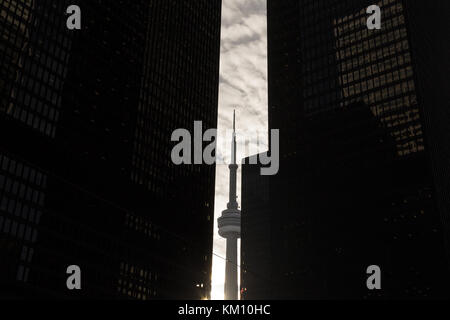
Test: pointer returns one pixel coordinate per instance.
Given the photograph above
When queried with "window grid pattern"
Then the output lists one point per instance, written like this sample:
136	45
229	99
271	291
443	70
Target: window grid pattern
182	47
37	56
111	94
376	67
343	62
22	200
137	282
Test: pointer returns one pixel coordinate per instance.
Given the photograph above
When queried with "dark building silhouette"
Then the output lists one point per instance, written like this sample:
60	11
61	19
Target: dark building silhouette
364	150
86	176
256	238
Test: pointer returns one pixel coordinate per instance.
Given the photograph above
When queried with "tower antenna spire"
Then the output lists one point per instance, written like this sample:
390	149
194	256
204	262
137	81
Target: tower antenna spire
233	143
234	120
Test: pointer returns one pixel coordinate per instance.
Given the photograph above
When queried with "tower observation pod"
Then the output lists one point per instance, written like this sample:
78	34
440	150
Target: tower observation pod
230	226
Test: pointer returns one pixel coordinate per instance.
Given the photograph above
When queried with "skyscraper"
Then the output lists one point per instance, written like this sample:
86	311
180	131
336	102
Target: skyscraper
255	233
358	188
86	175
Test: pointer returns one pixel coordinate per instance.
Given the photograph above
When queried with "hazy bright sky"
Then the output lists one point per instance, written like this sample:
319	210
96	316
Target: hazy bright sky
243	86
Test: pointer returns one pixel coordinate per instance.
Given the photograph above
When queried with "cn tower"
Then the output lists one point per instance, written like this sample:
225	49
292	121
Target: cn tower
230	226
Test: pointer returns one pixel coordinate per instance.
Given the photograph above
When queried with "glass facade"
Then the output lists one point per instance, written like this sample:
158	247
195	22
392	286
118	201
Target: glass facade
22	194
34	62
91	113
356	186
377	69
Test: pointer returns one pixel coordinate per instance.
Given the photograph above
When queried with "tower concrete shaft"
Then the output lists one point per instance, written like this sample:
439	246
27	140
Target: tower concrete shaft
231	272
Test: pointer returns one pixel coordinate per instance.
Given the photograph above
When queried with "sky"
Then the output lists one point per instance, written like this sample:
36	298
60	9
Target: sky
243	87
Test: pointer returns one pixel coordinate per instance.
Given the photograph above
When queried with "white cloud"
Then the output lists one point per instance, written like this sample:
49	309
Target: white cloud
243	86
